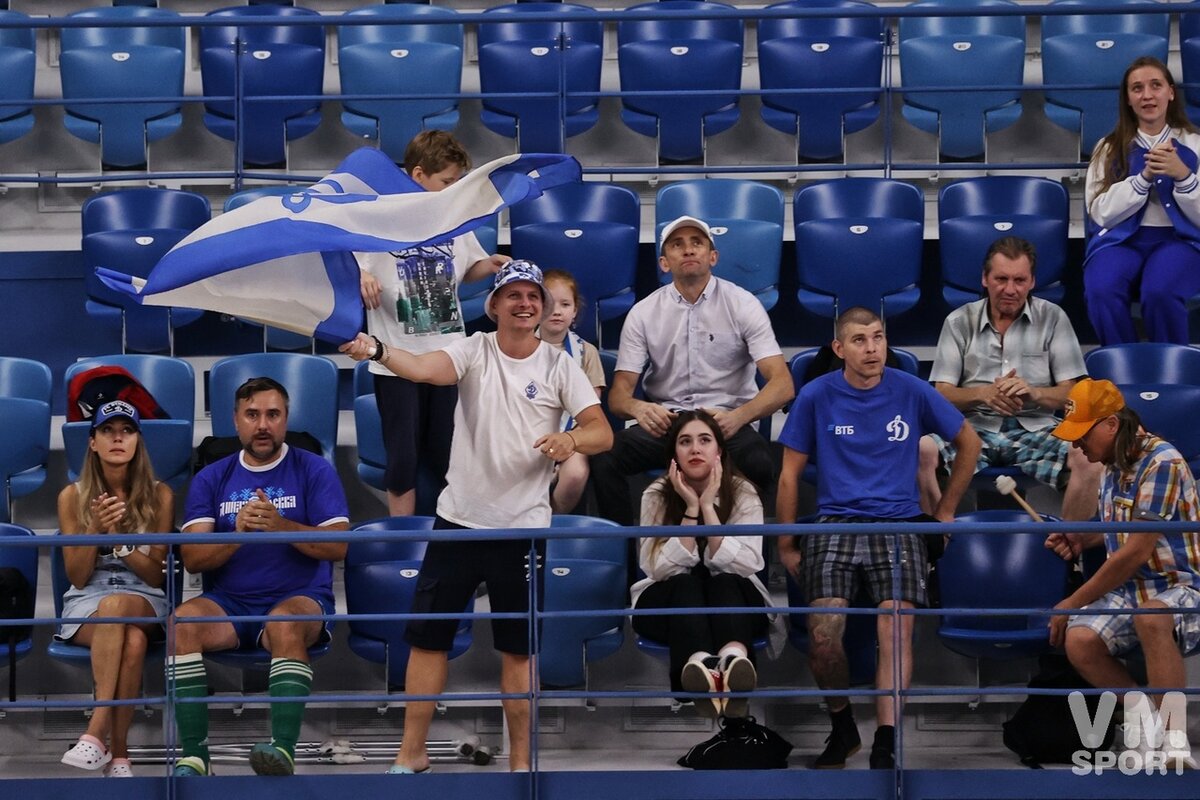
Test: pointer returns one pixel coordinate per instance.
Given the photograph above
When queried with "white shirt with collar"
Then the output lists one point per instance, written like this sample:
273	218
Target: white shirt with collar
697	355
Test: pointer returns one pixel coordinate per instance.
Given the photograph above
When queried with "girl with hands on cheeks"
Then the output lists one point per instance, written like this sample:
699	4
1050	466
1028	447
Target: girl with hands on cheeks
116	494
702	487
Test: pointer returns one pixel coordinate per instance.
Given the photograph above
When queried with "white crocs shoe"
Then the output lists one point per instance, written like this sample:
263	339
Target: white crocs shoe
88	753
119	768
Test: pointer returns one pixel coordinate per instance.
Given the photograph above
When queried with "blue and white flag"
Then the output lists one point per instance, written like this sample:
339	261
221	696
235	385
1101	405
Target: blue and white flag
288	260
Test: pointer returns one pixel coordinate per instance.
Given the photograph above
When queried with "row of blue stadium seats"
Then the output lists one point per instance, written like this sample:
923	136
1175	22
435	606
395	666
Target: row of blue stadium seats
992	570
594	229
681	79
1162	383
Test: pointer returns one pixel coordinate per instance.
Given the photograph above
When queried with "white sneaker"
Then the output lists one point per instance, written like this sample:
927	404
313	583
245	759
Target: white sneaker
739	675
702	674
1178	751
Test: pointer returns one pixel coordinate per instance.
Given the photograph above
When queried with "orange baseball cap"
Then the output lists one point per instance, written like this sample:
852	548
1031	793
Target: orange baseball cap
1089	402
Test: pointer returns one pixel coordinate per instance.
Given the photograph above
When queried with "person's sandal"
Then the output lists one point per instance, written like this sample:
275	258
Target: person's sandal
119	768
88	753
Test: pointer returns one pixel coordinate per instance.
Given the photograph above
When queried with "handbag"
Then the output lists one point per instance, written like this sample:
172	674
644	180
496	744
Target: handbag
740	744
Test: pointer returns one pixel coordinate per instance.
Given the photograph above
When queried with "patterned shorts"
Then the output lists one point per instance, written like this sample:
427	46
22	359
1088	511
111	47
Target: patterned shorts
1039	454
1117	631
832	565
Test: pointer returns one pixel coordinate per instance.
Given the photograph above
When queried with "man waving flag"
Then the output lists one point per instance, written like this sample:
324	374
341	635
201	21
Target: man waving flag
287	260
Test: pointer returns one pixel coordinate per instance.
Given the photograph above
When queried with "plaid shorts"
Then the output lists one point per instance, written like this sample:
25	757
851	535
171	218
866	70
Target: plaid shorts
1117	631
1039	454
833	564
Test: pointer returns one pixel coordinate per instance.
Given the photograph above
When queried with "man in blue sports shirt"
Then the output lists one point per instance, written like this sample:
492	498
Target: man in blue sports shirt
267	487
862	425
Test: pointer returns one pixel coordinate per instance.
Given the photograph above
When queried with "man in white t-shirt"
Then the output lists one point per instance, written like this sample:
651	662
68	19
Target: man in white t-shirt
513	389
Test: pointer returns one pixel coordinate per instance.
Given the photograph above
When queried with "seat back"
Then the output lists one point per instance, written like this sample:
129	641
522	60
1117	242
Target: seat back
973	213
368	429
435	25
172	383
963	57
590	229
25	446
518	56
381	578
311	382
746	220
672	58
1145	362
119	38
1000	570
581	574
18	63
841	55
24	559
24	377
1094	50
859	243
1189	59
1168	410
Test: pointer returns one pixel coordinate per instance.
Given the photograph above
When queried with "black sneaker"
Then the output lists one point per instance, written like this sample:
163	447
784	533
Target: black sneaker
882	758
842	743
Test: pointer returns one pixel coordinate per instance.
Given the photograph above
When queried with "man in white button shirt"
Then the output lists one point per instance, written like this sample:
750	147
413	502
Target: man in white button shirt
696	343
1008	362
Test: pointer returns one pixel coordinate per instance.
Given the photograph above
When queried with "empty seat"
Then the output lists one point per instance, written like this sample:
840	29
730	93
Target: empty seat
975	212
672	59
130	230
25	444
281	60
18	63
999	570
172	383
311	382
121	62
948	52
24	377
591	230
859	243
1094	50
412	59
558	60
841	56
1145	362
1189	57
1168	410
746	220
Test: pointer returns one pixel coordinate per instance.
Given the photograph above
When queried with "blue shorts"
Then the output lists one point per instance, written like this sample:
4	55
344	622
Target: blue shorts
249	632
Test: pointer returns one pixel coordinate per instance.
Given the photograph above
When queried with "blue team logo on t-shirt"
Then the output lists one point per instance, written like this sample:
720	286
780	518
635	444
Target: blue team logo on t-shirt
531	390
898	429
237	499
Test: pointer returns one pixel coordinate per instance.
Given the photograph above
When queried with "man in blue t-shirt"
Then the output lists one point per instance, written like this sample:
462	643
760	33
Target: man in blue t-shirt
266	487
862	425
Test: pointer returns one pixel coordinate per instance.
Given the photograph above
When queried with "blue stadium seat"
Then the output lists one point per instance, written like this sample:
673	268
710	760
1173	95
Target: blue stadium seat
947	52
24	377
999	570
130	230
24	559
1168	410
1145	362
368	429
415	59
18	63
117	62
273	338
282	60
746	219
581	574
842	56
674	58
1189	57
172	383
1094	50
517	56
975	212
25	444
381	578
471	296
859	243
591	230
311	382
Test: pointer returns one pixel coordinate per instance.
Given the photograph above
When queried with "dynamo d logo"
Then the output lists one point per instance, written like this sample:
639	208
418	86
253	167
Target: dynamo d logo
898	429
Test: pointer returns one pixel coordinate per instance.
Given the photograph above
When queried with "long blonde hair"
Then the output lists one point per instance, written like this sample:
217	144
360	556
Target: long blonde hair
1114	148
141	501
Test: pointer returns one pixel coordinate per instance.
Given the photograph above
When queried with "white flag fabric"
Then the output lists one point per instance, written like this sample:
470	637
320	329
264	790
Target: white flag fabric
288	260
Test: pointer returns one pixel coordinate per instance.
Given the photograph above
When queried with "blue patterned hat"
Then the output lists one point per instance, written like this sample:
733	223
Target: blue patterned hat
116	409
520	270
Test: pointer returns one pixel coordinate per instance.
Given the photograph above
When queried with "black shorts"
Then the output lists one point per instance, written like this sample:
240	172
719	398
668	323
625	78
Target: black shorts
832	565
449	576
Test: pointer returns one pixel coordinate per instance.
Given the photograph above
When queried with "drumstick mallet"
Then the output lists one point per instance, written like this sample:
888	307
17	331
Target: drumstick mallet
1006	485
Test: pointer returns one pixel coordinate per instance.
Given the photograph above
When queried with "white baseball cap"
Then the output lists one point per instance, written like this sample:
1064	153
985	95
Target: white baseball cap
683	222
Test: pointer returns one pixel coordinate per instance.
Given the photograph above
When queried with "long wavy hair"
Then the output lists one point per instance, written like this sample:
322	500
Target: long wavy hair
1116	146
1129	441
141	506
674	505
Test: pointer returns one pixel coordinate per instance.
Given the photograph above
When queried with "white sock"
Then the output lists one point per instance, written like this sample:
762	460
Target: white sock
733	648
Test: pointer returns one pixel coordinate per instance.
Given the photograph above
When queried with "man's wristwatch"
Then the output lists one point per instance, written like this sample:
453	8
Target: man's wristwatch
123	551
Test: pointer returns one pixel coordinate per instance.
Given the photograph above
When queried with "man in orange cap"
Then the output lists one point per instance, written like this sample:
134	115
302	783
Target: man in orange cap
1145	479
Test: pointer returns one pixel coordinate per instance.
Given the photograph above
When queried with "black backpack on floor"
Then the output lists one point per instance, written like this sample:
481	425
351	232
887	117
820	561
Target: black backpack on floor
1042	731
740	744
16	602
